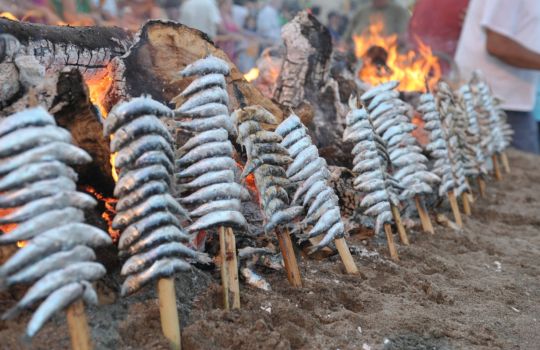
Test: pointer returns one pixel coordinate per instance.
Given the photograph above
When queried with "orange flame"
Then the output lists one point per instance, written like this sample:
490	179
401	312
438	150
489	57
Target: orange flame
252	74
98	87
108	213
413	69
7	228
9	15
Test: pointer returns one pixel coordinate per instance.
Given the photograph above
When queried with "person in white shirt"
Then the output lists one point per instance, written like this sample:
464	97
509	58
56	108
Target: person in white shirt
202	15
501	38
268	22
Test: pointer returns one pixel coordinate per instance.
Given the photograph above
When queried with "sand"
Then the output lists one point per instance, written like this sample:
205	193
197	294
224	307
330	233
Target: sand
474	289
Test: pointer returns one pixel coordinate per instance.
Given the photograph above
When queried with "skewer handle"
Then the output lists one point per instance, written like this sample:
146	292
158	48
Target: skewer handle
482	187
466	203
170	323
346	257
390	240
289	258
229	269
455	208
424	215
401	229
496	168
78	327
505	163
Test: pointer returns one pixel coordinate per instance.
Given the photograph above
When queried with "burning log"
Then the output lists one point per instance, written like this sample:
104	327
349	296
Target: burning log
38	184
207	159
311	172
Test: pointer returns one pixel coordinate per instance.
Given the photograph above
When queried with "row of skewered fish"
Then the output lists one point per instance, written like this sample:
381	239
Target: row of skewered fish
148	216
267	159
372	164
309	172
38	188
388	116
205	165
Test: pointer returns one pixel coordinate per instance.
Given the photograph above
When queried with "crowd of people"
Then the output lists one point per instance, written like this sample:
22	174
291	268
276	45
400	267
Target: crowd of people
496	36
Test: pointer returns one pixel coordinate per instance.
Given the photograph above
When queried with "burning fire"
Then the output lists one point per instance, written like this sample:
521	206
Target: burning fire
7	228
252	74
98	88
413	69
108	213
9	15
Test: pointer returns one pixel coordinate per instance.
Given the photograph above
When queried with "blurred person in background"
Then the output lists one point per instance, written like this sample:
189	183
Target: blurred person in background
203	15
500	37
394	16
335	24
171	8
135	12
229	35
269	22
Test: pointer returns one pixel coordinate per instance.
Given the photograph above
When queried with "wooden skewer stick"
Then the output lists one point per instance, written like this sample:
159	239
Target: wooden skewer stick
289	258
455	208
496	169
170	323
481	187
505	163
466	204
401	229
390	240
78	327
470	196
229	269
424	215
346	257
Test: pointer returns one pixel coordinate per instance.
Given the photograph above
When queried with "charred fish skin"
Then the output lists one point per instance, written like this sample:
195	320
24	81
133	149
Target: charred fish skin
33	117
134	179
145	125
137	148
208	65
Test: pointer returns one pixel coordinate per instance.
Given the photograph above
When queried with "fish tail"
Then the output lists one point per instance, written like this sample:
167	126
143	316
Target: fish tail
11	313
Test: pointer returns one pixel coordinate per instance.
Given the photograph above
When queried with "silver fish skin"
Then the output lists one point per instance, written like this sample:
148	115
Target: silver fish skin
144	226
416	189
336	231
288	125
410	158
408	169
378	208
299	146
273	206
374	91
152	158
123	112
381	109
34	172
135	197
255	113
221	121
89	271
355	116
51	263
248	252
325	222
359	135
370	186
24	119
223	204
229	218
365	154
36	190
268	181
217	192
210	178
150	205
205	82
206	165
23	139
145	125
274	192
382	97
160	235
398	152
385	125
315	189
163	268
322	174
309	170
368	176
326	195
368	165
397	130
208	150
214	94
42	222
402	140
374	198
208	65
60	151
264	148
270	159
283	217
305	157
138	262
293	137
270	170
56	301
61	200
138	147
247	128
214	135
132	180
383	218
314	217
207	110
89	295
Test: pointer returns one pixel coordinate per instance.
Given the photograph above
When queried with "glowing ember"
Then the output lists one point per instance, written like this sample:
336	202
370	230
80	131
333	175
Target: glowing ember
21	244
98	88
252	74
7	227
108	213
383	62
113	168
